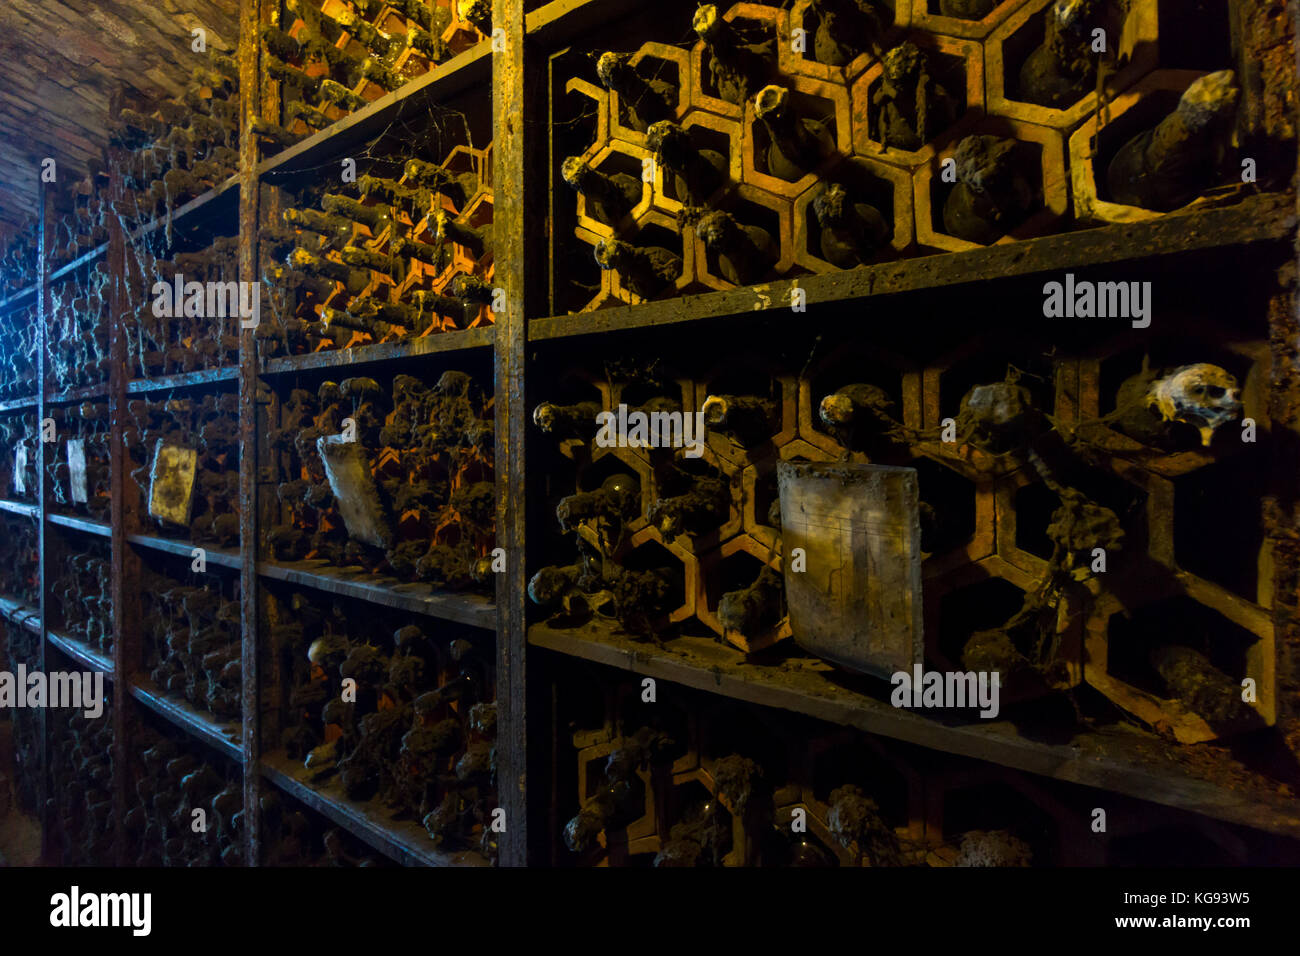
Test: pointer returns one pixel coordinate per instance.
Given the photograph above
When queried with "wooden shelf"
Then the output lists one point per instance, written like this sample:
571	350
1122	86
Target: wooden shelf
471	609
1126	761
78	523
206	376
16	404
18	299
222	735
476	338
1265	218
21	508
404	841
469	69
81	394
222	557
81	652
560	21
67	269
14	609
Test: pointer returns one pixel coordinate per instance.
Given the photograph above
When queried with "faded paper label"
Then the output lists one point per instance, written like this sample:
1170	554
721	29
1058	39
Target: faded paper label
171	483
77	469
349	476
858	601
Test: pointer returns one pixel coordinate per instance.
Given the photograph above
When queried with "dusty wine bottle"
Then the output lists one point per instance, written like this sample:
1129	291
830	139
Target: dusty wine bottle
609	197
647	270
336	230
374	218
567	421
458	187
353	280
748	419
447	229
646	100
745	253
696	173
362	258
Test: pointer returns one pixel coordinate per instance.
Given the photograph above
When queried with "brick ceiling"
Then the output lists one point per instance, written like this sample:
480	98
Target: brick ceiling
61	60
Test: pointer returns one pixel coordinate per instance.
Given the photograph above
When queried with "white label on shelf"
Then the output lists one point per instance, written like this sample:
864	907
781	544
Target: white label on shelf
20	469
77	469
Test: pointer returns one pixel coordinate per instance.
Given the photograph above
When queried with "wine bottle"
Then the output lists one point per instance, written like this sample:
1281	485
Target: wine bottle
748	419
431	302
447	229
756	608
699	510
567	421
459	187
425	43
645	100
339	95
796	145
855	404
413	200
472	289
363	258
609	197
846	28
353	280
301	109
995	191
1063	68
851	232
1169	165
737	69
697	173
378	43
333	230
478	13
647	271
435	256
744	253
339	318
374	218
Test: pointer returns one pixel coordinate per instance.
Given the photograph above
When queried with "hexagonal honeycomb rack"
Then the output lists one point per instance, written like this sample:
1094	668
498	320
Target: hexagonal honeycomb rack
991	548
1140	66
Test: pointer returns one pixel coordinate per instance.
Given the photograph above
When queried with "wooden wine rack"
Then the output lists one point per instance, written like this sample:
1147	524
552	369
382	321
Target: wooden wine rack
964	303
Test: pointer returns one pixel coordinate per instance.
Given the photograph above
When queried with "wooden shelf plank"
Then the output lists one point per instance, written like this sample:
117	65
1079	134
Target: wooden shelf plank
206	376
223	557
555	24
19	298
470	68
82	260
82	394
476	338
1268	217
78	523
14	609
222	735
1126	761
81	652
20	508
404	841
472	609
16	404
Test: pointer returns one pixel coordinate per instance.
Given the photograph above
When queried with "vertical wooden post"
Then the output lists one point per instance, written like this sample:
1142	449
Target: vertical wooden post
249	98
44	246
124	566
509	103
